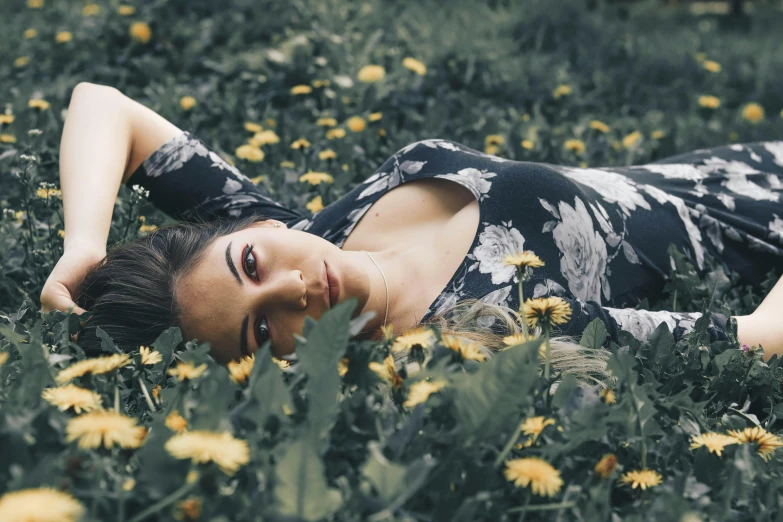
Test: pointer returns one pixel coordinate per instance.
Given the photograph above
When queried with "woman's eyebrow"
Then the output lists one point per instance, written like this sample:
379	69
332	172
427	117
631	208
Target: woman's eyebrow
230	263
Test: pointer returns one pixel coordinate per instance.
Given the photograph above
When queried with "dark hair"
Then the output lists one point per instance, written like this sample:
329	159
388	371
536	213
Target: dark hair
131	291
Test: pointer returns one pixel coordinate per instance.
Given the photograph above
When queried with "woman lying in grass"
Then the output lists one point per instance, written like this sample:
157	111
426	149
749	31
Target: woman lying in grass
423	239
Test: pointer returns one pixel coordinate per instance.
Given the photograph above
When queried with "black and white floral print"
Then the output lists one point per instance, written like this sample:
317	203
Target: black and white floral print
602	232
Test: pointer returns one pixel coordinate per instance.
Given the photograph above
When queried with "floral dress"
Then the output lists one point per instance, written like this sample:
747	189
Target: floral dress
602	232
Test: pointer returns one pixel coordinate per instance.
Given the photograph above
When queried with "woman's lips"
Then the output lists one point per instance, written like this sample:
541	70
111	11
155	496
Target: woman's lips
334	286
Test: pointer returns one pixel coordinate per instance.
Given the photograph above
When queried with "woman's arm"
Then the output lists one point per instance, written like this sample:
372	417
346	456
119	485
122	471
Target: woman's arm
765	325
105	138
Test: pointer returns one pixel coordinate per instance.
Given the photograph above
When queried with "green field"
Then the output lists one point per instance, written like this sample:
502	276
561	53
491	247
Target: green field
564	82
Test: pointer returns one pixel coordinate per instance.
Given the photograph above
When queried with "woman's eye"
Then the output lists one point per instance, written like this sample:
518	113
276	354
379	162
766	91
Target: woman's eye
262	332
250	264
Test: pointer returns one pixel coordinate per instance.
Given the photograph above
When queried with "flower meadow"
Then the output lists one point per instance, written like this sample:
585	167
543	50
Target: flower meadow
307	98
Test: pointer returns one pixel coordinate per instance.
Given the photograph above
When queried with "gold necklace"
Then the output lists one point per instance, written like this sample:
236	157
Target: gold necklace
385	284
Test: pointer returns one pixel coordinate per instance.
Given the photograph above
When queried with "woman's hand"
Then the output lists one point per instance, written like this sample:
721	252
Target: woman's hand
67	276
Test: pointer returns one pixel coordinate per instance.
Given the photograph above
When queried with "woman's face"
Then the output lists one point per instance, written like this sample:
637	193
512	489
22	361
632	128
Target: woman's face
259	284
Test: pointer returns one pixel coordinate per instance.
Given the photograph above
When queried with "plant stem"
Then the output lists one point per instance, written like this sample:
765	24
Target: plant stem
510	444
641	432
521	279
146	395
116	398
157	506
543	507
545	326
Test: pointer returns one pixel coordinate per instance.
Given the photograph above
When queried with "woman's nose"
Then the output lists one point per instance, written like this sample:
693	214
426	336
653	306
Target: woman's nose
287	289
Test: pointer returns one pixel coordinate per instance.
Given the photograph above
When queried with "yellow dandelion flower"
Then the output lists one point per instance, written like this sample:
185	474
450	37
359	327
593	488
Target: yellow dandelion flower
253	127
345	167
156	392
494	139
188	509
700	56
129	484
527	144
141	32
288	164
387	371
7	138
657	134
250	153
551	310
420	391
70	396
267	137
533	426
187	102
301	89
7	119
492	149
30	33
766	442
281	363
327	154
715	442
342	366
511	340
526	258
315	205
126	10
560	91
176	422
576	146
40	505
35	4
38	104
3	358
642	478
608	396
95	366
301	143
46	193
316	178
335	134
713	67
61	234
187	370
387	331
91	9
201	447
371	73
258	179
544	480
356	123
422	336
606	466
271	122
375	116
617	146
321	83
709	102
381	132
599	126
63	36
469	350
326	122
107	428
147	229
150	357
240	370
632	139
753	112
21	61
412	64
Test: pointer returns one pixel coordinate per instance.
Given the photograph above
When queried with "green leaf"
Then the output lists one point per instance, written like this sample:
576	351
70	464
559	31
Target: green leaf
166	343
564	390
302	490
107	343
387	477
594	335
267	389
318	356
490	398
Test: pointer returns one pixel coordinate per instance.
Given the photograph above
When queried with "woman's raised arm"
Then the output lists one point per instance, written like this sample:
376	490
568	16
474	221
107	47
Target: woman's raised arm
106	136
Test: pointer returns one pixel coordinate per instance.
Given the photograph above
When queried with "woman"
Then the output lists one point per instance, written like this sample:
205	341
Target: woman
426	231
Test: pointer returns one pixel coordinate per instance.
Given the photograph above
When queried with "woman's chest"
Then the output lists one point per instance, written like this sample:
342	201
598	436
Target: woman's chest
435	219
